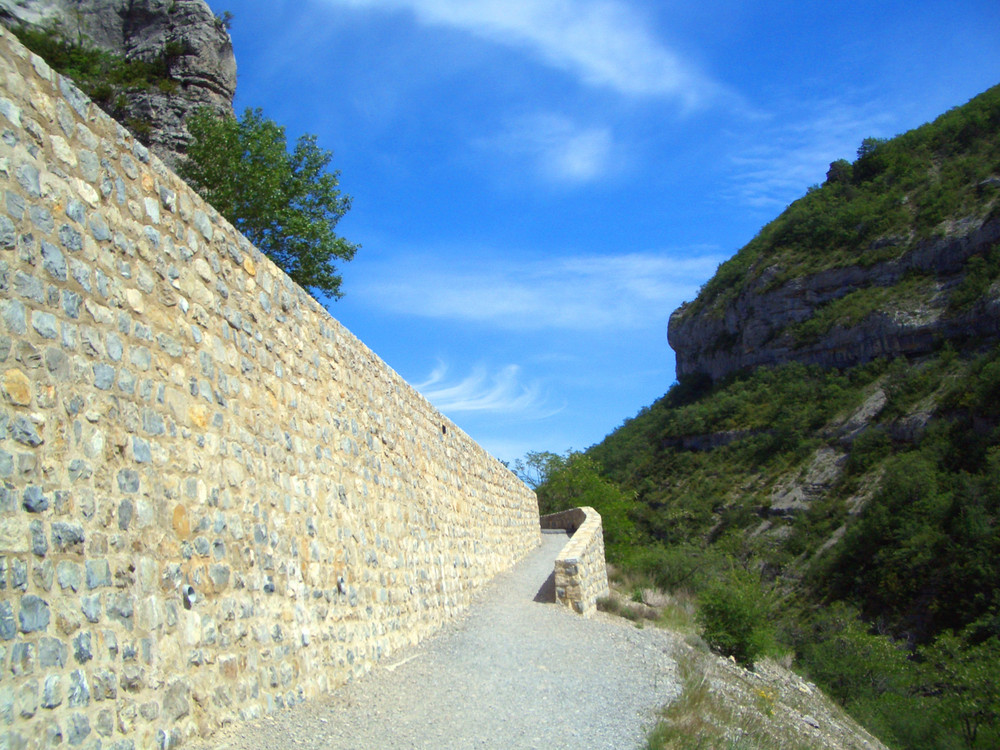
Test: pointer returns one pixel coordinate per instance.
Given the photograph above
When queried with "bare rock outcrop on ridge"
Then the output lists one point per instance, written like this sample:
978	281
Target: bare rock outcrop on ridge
756	327
205	67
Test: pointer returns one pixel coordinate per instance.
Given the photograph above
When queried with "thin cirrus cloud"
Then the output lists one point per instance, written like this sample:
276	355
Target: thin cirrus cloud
560	150
480	391
771	172
584	293
602	42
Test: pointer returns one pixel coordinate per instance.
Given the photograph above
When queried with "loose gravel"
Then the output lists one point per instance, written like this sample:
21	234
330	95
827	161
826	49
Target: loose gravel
512	673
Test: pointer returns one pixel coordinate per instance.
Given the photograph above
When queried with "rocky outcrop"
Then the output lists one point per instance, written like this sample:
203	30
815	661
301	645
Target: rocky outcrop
202	62
757	326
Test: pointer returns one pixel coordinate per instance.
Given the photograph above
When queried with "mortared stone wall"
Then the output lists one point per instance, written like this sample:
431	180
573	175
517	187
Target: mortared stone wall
214	500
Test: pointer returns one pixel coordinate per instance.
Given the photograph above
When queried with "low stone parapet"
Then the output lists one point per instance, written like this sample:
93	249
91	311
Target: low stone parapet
581	577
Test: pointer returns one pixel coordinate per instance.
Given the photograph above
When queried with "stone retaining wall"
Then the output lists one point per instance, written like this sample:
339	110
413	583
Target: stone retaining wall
581	577
214	500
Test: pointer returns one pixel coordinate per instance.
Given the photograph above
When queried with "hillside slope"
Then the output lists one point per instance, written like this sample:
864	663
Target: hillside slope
874	263
834	437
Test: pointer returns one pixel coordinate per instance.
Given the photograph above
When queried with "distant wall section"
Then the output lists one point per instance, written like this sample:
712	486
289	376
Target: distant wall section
581	575
214	500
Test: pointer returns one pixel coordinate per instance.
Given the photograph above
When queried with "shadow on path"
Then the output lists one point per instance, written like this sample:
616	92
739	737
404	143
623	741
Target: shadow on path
547	593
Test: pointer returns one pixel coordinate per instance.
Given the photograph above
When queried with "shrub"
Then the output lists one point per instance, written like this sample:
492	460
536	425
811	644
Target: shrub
870	447
841	171
97	71
734	619
672	568
964	679
576	481
980	273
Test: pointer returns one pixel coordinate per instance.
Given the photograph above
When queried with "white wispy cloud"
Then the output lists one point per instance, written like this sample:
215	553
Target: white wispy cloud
628	292
482	391
788	153
560	150
602	42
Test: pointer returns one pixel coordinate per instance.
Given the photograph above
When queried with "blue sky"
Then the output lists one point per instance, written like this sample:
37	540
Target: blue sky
538	184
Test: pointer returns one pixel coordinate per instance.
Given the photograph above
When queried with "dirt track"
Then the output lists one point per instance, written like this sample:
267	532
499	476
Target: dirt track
513	673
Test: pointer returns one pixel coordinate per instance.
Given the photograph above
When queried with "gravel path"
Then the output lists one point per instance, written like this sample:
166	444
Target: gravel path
513	673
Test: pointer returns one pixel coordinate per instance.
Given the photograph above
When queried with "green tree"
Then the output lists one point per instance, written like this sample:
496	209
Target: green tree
964	679
850	662
285	202
575	481
537	466
840	171
872	159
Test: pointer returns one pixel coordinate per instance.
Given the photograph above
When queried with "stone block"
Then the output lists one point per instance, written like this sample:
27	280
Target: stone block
33	614
27	699
128	481
68	538
52	652
175	700
52	692
8	628
126	509
77	729
120	607
105	685
16	387
69	575
22	659
82	650
15	536
133	679
91	607
79	690
150	711
98	574
39	544
26	432
105	723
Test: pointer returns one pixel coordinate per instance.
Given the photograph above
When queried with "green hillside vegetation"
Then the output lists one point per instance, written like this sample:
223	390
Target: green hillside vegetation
899	620
897	193
882	580
856	306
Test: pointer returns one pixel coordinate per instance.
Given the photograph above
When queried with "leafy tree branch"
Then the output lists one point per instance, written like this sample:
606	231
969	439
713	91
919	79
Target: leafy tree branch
285	202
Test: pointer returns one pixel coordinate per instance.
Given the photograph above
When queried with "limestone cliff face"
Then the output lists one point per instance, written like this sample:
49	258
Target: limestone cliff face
759	326
141	29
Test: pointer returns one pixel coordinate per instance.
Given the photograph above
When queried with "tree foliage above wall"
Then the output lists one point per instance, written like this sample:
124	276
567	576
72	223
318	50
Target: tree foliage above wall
287	203
104	77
